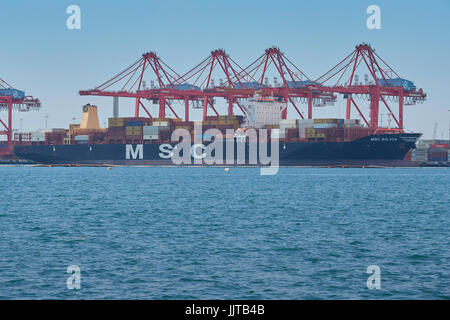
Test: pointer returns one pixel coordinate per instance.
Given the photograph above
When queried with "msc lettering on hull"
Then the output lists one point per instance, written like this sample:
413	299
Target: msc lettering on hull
134	154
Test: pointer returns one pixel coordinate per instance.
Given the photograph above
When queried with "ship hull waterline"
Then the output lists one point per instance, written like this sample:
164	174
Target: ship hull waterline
372	150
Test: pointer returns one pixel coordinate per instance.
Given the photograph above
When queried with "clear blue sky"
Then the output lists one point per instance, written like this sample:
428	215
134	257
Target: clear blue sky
41	56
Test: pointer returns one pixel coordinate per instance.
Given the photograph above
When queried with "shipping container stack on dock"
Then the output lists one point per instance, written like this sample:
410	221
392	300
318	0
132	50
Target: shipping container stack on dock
432	153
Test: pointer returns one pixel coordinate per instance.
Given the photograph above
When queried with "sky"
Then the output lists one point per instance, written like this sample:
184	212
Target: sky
41	56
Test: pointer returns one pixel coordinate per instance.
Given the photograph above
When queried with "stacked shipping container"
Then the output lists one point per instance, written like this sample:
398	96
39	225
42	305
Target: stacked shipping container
432	152
158	130
333	130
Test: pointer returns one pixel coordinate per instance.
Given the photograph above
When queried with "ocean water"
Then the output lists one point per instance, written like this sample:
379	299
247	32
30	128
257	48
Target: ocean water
203	233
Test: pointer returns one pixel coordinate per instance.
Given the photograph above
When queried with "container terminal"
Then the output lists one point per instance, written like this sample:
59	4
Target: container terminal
253	103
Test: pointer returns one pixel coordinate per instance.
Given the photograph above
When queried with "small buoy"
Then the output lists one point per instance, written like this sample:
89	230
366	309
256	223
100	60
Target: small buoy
227	169
109	168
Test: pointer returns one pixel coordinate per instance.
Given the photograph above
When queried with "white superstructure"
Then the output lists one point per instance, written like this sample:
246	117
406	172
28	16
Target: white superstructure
261	111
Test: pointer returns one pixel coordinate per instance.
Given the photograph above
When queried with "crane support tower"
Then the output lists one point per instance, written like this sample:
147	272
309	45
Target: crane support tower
11	98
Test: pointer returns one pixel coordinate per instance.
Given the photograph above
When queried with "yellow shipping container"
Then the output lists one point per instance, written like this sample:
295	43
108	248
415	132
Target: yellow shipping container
271	126
116	122
73	126
227	117
133	131
162	119
326	120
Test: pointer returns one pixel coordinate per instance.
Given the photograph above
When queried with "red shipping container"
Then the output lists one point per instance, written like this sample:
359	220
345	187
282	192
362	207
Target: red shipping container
439	146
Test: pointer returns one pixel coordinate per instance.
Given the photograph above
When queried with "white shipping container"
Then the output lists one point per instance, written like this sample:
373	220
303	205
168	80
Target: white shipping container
53	130
37	136
160	123
150	130
287	124
306	125
305	121
303	125
277	133
288	121
325	125
56	130
81	138
36	139
150	137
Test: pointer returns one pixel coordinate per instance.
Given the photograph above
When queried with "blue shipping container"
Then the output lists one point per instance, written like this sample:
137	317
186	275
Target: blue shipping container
186	87
301	84
133	124
397	82
16	94
248	85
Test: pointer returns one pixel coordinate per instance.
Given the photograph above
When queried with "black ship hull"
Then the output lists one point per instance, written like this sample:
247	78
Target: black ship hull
373	150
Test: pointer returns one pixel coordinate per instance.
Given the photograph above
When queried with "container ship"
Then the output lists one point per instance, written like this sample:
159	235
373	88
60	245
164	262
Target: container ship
262	126
152	141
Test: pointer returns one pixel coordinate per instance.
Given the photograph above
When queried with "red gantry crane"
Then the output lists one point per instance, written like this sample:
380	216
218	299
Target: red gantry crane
198	88
199	81
130	83
381	84
295	86
10	99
